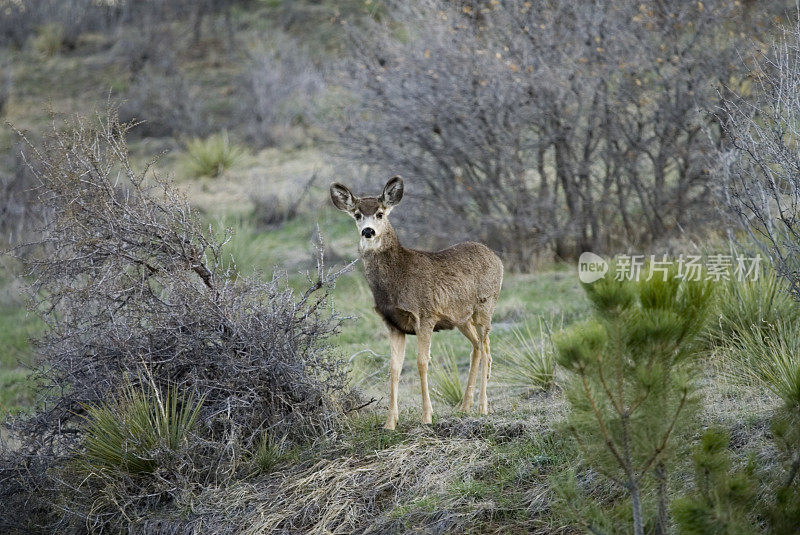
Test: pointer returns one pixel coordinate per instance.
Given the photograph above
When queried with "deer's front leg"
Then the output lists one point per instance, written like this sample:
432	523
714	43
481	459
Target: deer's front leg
397	347
424	333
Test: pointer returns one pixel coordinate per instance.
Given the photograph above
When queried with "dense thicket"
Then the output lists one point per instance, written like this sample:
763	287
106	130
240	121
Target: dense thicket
556	126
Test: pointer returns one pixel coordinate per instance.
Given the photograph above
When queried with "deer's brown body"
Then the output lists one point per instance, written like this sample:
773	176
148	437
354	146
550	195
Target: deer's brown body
419	292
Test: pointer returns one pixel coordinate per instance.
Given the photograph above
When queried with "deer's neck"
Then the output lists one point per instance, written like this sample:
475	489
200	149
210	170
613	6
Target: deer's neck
386	255
382	266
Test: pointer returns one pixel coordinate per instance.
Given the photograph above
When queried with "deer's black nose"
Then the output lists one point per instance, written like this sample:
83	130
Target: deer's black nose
368	232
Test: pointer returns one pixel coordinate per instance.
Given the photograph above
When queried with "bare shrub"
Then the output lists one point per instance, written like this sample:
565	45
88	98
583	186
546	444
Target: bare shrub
6	83
560	126
271	208
126	279
760	183
20	212
162	98
280	86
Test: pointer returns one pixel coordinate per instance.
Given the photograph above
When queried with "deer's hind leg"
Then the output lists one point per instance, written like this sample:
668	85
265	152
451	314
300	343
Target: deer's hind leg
471	333
486	370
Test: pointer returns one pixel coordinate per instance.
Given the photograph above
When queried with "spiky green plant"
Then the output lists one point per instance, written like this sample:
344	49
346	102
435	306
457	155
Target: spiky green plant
770	354
741	304
268	453
529	360
49	40
211	156
631	380
447	386
128	432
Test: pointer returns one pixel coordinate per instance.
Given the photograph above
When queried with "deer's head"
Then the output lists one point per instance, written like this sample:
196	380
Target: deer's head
370	213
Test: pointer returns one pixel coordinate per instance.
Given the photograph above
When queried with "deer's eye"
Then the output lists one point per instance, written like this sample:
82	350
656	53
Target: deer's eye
379	215
358	216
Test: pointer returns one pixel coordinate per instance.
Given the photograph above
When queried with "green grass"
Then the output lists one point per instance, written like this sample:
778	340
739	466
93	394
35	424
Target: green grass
16	329
555	292
270	453
16	392
515	472
426	504
16	354
366	434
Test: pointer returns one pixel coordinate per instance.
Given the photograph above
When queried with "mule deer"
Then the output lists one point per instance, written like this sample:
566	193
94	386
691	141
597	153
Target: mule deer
419	292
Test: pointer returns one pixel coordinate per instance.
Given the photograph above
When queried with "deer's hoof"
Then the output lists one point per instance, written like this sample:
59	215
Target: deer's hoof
391	422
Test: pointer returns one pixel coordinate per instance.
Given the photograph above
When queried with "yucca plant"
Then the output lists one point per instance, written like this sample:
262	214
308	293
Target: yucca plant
771	356
49	40
447	386
268	453
529	360
741	304
212	156
128	432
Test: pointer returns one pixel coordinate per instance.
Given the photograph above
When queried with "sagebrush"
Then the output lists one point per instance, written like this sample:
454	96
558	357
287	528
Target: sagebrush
125	278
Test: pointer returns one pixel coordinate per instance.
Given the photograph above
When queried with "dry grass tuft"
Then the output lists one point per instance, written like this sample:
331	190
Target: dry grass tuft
423	482
348	494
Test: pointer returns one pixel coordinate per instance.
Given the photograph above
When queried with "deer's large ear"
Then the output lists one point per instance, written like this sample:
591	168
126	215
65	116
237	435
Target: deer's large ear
392	191
342	198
